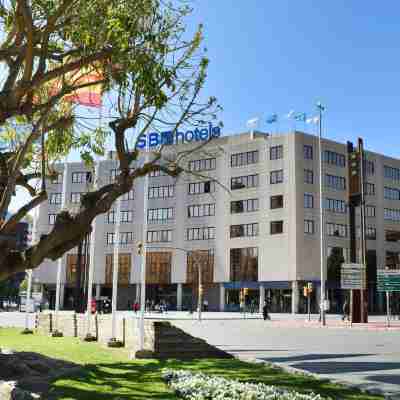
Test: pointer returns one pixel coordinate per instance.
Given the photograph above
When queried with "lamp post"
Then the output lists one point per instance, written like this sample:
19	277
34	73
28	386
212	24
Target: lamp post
321	108
28	303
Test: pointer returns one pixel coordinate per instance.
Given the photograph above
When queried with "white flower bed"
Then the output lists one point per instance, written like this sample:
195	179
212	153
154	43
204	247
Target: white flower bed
199	386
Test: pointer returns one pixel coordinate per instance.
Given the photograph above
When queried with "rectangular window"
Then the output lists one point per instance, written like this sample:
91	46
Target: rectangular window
391	214
207	164
242	182
244	230
247	158
391	173
126	237
161	192
160	214
158	267
276	227
81	177
202	187
336	229
331	157
370	233
309	226
52	219
158	172
308	152
128	196
335	182
276	176
369	189
370	211
308	176
113	174
201	210
391	193
244	264
55	198
206	259
308	200
110	238
203	233
369	167
163	236
124	269
276	201
336	206
111	217
76	197
56	178
276	152
241	206
392	236
126	216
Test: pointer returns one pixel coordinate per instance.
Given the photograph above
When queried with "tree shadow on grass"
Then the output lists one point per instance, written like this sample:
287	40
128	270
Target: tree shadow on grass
143	380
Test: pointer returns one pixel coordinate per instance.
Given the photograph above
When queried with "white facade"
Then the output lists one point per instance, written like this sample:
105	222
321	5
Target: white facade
284	259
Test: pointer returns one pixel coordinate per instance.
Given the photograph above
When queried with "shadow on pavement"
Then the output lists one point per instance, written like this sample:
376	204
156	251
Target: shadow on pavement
335	367
310	357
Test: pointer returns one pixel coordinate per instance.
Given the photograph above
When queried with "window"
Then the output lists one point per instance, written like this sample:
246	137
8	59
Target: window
126	237
276	227
111	217
52	219
201	210
203	233
369	189
160	214
241	206
154	174
331	157
308	152
391	214
159	236
276	152
128	196
244	264
241	159
161	192
391	173
308	200
124	269
392	236
370	211
158	267
81	177
242	182
309	226
336	229
207	164
126	216
276	201
202	187
369	167
370	233
336	206
276	176
56	178
308	176
110	238
205	258
113	174
335	182
391	193
76	197
344	252
244	230
55	198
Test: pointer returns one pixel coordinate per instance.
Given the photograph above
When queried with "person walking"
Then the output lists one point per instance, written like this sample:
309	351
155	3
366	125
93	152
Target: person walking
265	311
345	310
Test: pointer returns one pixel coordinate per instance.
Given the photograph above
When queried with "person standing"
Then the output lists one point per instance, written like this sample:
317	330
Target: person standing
345	310
265	311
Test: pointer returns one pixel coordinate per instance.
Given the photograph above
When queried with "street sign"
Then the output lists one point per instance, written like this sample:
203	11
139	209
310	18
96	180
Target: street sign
388	280
353	276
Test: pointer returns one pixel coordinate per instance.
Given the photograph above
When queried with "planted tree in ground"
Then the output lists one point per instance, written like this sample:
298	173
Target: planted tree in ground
150	71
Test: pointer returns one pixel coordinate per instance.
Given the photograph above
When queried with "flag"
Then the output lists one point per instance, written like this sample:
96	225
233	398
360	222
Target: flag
291	114
301	117
320	106
312	120
272	118
252	123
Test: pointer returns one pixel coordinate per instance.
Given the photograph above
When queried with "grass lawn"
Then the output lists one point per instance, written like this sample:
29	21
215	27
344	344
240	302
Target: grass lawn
108	374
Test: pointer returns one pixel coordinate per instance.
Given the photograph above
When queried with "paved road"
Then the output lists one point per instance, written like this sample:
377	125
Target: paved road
370	359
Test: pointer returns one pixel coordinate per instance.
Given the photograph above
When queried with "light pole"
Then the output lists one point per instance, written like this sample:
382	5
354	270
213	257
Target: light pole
321	108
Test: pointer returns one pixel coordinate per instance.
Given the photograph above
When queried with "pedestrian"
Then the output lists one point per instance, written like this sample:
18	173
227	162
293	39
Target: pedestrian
205	304
136	307
265	311
345	310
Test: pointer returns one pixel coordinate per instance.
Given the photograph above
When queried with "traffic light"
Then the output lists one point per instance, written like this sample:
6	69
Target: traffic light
140	248
354	174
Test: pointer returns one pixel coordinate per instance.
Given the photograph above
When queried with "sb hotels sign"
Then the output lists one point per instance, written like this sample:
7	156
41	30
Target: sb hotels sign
168	137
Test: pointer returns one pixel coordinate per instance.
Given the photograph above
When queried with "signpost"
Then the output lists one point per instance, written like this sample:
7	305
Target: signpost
388	281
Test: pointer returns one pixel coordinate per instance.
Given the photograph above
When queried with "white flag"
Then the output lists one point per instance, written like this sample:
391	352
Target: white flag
312	120
252	123
291	114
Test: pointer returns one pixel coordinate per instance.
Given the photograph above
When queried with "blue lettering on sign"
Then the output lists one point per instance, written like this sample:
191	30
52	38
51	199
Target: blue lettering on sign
155	139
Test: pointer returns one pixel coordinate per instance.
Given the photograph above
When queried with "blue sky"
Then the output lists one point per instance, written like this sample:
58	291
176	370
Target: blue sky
282	55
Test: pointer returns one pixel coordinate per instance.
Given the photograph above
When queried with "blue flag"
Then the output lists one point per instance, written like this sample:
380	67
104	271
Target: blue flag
272	118
301	117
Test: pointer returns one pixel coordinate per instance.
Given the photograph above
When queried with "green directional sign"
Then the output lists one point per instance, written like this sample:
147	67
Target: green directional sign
388	281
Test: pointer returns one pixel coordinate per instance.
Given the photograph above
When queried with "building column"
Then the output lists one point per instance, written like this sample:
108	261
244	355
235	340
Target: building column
62	291
221	297
98	289
295	297
262	298
179	297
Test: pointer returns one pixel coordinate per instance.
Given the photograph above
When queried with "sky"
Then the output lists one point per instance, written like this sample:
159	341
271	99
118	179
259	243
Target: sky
276	56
